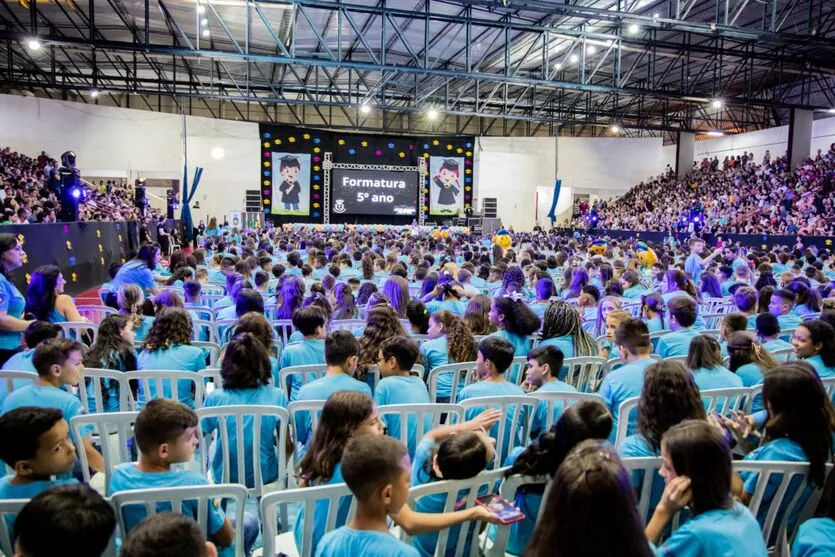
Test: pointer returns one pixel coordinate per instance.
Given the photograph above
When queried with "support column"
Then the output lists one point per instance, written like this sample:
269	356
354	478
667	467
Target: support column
800	137
685	152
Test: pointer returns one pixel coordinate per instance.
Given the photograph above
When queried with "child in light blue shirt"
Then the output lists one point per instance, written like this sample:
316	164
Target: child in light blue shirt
166	434
704	360
814	343
450	341
544	365
516	322
246	374
35	333
310	322
398	386
782	305
682	318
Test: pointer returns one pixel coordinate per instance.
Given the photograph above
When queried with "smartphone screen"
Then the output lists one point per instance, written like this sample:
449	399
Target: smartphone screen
502	508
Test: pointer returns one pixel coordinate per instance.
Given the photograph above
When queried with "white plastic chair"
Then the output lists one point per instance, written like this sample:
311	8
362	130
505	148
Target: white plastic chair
507	491
419	339
784	355
424	417
472	488
115	430
210	299
733	398
626	408
828	386
516	372
16	379
306	498
203	312
246	421
680	359
212	290
211	379
283	329
653	337
96	377
647	468
349	325
307	373
201	498
300	410
713	333
212	348
96	314
514	434
200	325
461	376
565	399
77	330
8	509
159	383
225	329
585	373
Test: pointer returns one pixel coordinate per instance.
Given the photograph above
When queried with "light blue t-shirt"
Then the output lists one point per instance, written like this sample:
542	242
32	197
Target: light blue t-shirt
564	343
540	417
127	477
304	353
269	453
718	377
693	266
634	292
717	533
621	384
321	389
21	361
435	353
144	328
823	371
320	514
497	388
9	491
676	343
751	375
815	538
133	272
521	346
403	390
655	324
12	303
42	396
182	357
776	344
788	321
539	309
366	543
456	307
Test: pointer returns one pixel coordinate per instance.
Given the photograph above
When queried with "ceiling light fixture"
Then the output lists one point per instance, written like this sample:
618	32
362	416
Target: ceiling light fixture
432	114
206	32
365	109
633	29
717	103
573	58
615	129
33	44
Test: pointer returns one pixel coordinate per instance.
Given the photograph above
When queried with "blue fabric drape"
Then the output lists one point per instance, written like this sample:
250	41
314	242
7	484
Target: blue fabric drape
185	213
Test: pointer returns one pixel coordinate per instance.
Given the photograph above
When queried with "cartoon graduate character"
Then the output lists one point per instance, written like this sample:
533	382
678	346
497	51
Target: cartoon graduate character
447	181
290	188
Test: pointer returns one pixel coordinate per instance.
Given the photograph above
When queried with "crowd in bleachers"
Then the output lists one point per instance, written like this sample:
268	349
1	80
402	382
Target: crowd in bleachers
30	187
738	196
681	408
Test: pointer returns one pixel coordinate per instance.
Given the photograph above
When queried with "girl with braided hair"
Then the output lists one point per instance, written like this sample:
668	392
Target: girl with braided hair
131	300
563	329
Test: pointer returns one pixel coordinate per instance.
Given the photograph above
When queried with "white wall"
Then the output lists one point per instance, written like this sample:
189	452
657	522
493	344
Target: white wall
138	143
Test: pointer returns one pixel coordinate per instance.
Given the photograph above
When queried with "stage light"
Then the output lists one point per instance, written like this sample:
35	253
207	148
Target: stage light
365	109
716	103
94	93
432	114
76	193
218	153
573	58
633	29
696	218
615	129
33	44
206	32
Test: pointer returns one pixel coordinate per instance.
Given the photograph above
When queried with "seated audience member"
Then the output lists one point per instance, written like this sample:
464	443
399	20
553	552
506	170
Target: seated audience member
477	315
654	312
418	317
704	359
591	509
632	338
166	434
608	346
816	536
78	520
399	386
12	302
132	304
814	343
562	328
168	534
745	299
45	298
58	363
731	323
34	334
309	321
544	366
381	323
192	292
768	330
682	318
697	470
782	305
373	468
113	350
450	342
750	361
516	322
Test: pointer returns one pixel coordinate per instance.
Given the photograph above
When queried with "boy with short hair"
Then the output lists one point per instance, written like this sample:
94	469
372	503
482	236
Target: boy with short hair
342	350
310	321
768	329
627	381
57	362
495	355
544	366
745	298
64	520
695	263
168	534
36	333
683	311
166	434
396	357
731	323
781	305
377	471
192	291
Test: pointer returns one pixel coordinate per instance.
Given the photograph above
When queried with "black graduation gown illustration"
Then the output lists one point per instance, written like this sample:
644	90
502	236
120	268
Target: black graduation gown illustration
289	192
447	194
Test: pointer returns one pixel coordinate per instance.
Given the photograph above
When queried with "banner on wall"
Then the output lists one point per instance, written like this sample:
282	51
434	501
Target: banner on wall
446	194
235	220
292	194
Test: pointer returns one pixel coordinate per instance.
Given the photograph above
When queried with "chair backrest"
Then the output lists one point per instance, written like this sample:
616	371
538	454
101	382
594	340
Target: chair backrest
789	474
787	334
460	375
516	372
633	309
199	326
8	509
236	416
202	498
283	329
211	379
520	408
16	379
203	312
210	299
712	333
212	290
653	337
425	416
115	432
159	383
307	498
585	373
733	398
784	354
98	377
419	339
626	408
349	325
507	491
212	348
811	316
305	373
96	314
647	468
472	488
828	385
82	331
557	402
300	409
225	329
681	359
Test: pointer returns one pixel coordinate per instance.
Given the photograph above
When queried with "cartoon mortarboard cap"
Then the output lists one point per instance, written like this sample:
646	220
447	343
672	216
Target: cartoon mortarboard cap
451	164
290	159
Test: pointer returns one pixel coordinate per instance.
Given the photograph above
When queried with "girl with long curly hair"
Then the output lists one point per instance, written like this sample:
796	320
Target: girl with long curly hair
450	342
381	323
113	349
168	347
